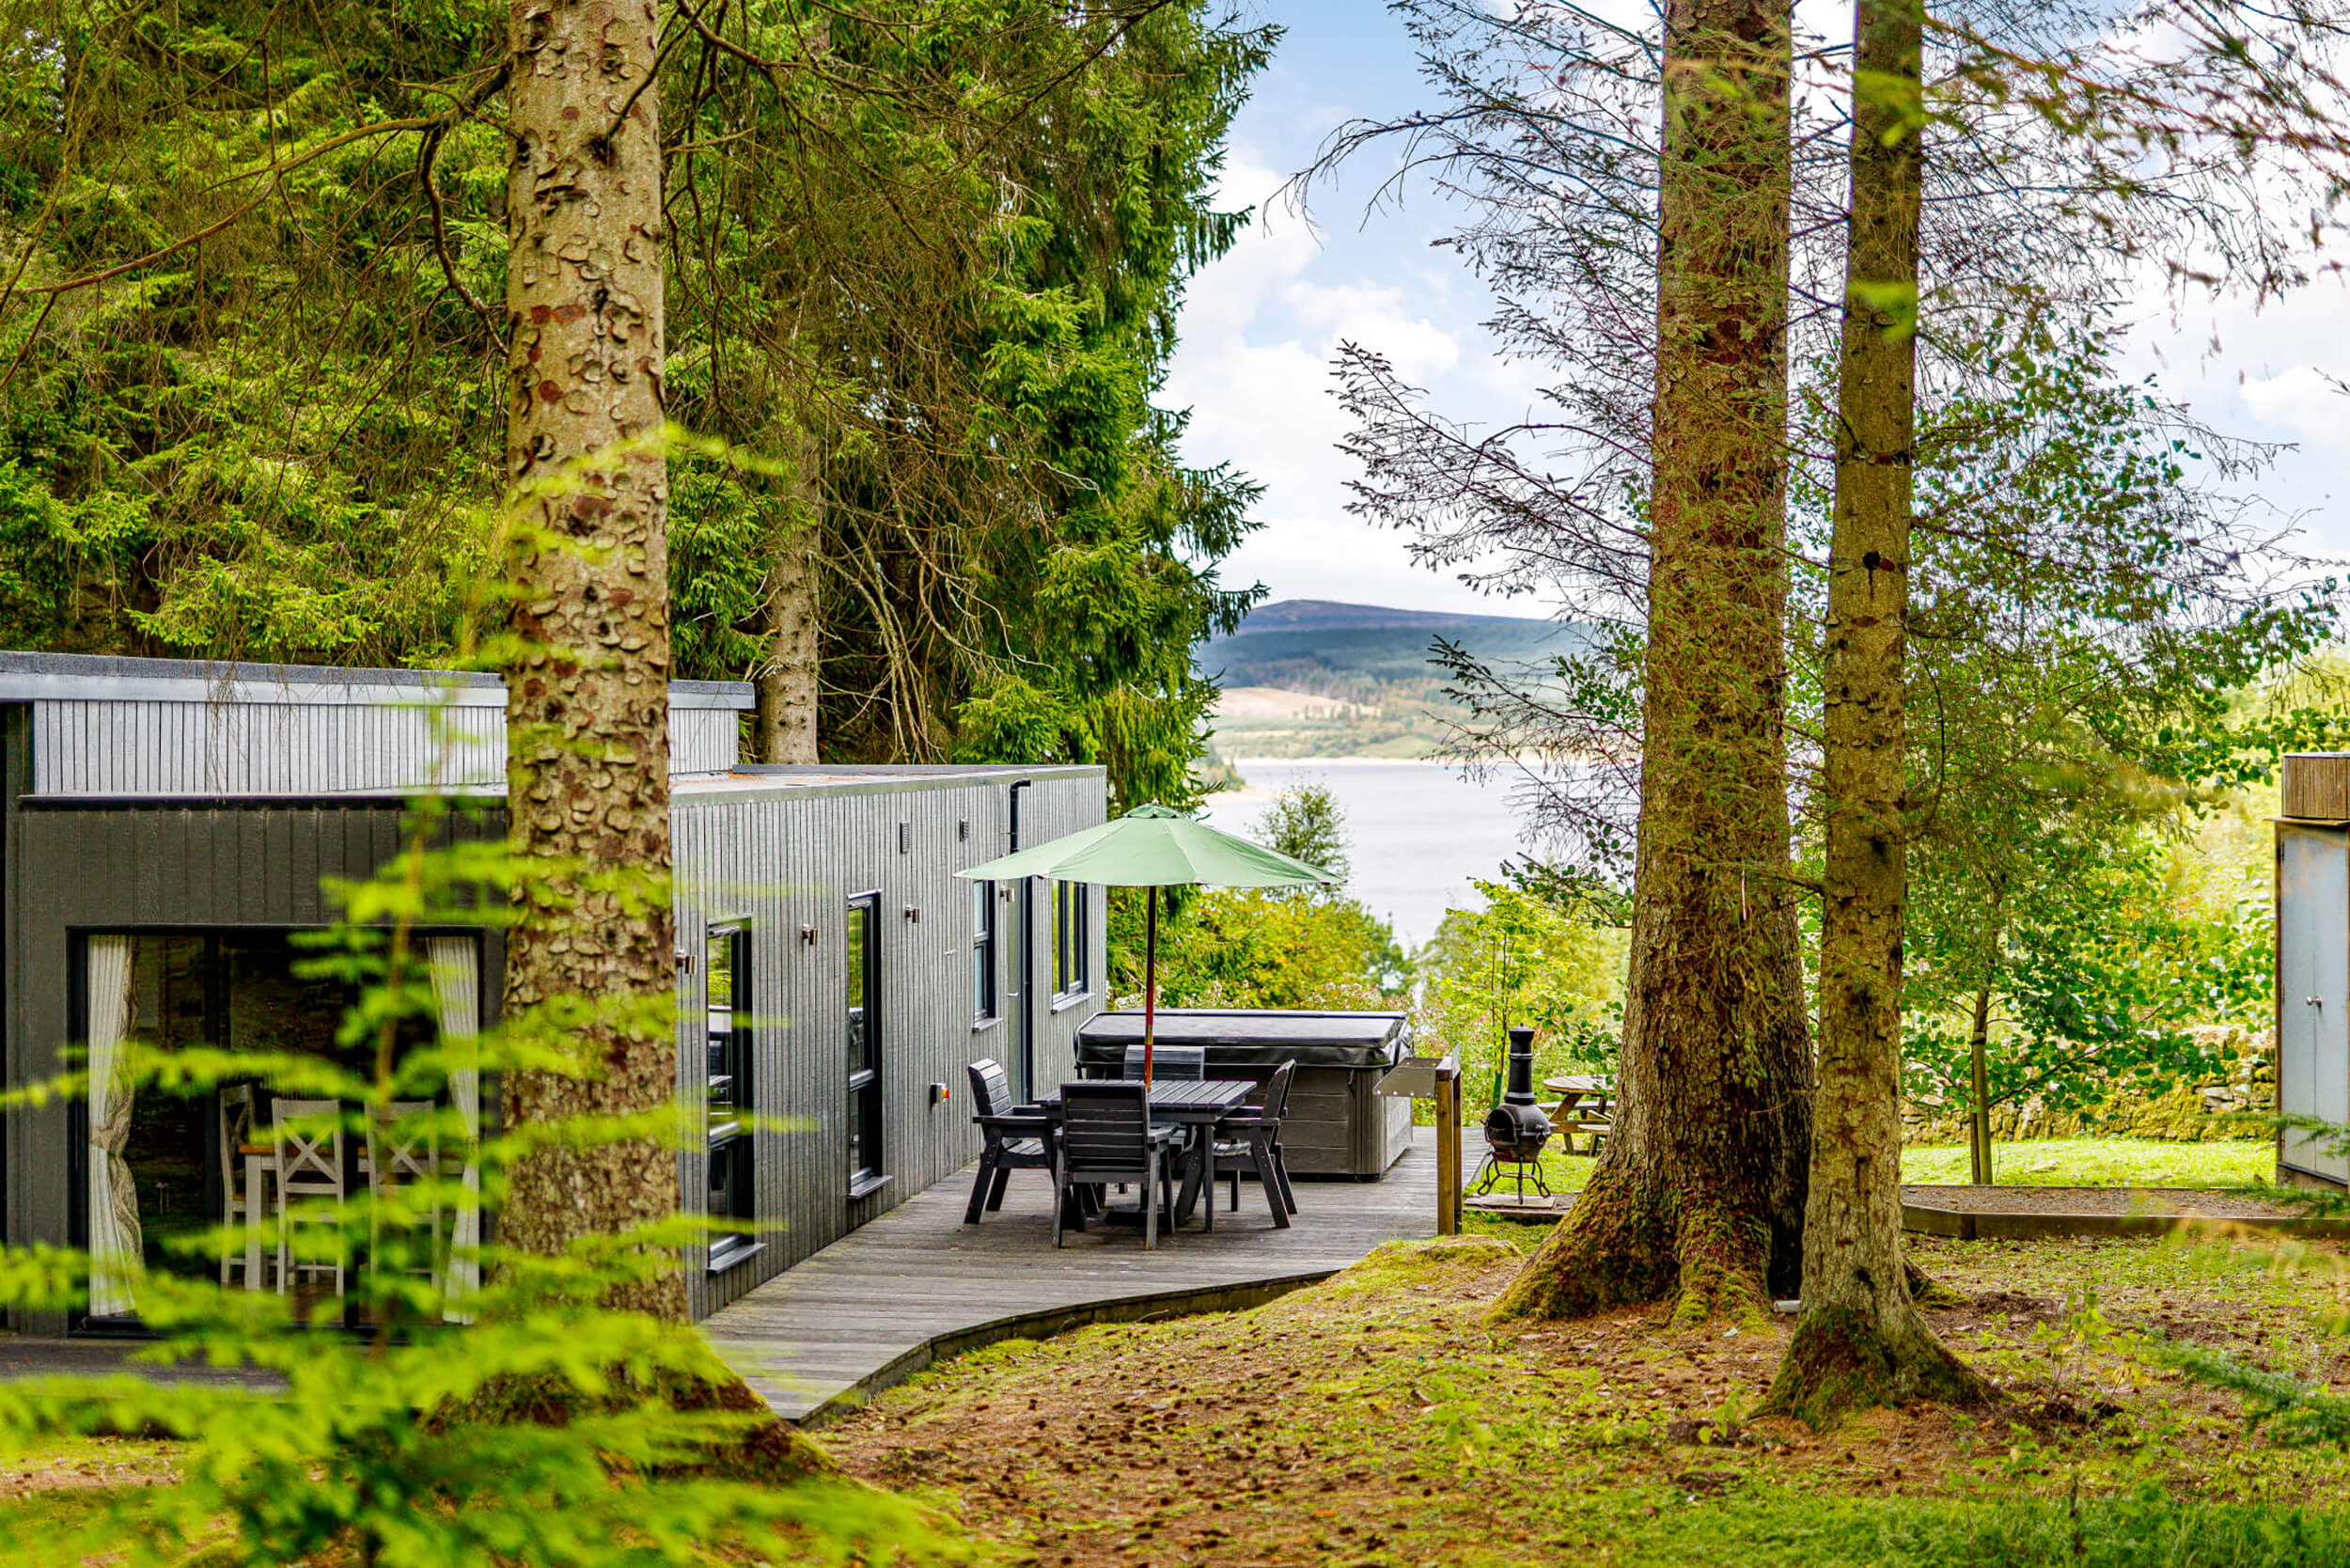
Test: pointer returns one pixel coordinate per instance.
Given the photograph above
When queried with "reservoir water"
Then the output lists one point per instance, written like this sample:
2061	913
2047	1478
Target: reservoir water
1417	832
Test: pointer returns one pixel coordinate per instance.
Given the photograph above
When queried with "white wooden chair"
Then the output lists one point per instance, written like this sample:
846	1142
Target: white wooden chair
404	1149
236	1131
310	1177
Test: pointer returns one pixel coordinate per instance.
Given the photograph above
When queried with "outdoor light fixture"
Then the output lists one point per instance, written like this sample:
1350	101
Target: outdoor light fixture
807	934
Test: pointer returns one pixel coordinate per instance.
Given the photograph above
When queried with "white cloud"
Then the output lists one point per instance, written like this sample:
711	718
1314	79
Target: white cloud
1260	329
2303	400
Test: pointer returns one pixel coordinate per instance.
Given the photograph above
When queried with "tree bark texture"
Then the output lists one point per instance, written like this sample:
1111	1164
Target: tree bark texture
588	768
785	723
1861	1340
1699	1196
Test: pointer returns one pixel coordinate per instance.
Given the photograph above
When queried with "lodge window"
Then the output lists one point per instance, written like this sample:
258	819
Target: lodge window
864	1019
983	951
1073	953
727	1095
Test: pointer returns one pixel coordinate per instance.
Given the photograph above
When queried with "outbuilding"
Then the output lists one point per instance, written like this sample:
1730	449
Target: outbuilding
2313	963
165	827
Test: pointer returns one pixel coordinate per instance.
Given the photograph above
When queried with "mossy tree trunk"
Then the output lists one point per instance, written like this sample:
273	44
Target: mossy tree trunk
1861	1340
1699	1196
588	709
784	725
789	681
588	768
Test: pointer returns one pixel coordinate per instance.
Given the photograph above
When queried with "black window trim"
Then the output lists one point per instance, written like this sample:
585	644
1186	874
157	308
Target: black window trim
872	1176
1072	940
984	956
733	1142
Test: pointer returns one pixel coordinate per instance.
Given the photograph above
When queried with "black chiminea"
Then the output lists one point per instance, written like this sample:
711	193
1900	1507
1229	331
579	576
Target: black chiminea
1516	1130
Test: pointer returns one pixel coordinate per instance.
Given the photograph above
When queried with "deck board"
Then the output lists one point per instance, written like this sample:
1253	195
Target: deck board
917	1283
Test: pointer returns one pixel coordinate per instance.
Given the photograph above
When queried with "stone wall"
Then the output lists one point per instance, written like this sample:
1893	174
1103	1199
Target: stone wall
2191	1113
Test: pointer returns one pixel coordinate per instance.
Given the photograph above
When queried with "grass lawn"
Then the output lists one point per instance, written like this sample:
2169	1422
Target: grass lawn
1378	1421
2104	1162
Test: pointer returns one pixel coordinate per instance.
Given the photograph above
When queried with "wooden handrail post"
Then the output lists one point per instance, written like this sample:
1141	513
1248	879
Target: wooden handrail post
1449	1147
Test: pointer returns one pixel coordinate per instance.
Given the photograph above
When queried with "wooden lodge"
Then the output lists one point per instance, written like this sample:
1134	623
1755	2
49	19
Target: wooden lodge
165	828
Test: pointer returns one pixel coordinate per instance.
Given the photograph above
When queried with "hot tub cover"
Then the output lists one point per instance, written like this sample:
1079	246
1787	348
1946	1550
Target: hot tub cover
1264	1038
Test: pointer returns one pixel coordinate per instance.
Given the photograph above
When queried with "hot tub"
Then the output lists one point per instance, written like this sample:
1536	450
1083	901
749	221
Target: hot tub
1336	1125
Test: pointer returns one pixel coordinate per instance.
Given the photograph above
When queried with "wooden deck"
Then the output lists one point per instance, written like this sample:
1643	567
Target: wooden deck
917	1284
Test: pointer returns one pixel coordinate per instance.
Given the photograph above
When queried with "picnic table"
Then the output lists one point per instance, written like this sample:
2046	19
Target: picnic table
1586	1105
1197	1103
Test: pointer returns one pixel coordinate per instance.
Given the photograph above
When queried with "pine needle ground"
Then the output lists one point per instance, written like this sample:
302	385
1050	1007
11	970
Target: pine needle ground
1374	1420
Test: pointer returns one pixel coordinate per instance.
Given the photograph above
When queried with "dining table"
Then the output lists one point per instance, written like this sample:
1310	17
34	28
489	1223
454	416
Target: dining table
1198	1104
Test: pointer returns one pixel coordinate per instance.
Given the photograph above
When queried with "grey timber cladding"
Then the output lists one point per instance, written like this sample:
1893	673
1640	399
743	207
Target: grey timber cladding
780	852
151	727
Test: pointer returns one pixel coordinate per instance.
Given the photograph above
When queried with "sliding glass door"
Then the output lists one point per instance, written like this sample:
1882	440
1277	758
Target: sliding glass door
163	1166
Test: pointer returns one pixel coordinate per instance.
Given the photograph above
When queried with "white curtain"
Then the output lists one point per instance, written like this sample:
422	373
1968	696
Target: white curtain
456	997
114	1241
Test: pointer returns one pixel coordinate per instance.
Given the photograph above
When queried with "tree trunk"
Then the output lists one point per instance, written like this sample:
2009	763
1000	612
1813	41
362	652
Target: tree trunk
588	704
1861	1340
1700	1195
1978	1075
587	712
785	724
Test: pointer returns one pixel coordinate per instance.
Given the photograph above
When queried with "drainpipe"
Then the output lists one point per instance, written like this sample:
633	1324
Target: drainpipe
1024	944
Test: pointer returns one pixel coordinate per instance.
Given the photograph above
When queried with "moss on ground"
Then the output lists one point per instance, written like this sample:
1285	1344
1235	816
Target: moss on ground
1378	1421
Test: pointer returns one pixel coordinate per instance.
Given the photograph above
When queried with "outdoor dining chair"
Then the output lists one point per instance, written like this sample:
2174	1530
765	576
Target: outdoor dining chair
403	1151
1018	1137
1251	1138
236	1131
1175	1063
308	1136
1107	1135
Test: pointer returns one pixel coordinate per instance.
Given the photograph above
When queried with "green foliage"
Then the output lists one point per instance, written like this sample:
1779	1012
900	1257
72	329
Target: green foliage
2088	609
1267	946
2101	973
2293	1411
1262	948
926	258
942	274
1525	958
266	445
1306	823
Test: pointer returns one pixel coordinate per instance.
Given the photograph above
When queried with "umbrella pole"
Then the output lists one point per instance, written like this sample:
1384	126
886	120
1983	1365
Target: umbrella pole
1150	979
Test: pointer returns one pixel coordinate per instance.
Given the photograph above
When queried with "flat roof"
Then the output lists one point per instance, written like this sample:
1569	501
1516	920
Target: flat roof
29	677
747	782
761	778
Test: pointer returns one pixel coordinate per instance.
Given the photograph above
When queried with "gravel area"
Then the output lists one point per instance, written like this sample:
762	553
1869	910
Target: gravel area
2096	1201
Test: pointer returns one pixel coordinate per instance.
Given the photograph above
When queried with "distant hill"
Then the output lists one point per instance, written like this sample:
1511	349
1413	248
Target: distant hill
1311	677
1308	615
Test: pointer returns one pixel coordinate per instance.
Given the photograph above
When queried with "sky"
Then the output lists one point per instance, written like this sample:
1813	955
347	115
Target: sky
1261	324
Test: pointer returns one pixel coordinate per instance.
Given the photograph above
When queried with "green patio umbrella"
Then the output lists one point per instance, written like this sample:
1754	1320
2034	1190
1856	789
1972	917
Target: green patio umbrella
1153	847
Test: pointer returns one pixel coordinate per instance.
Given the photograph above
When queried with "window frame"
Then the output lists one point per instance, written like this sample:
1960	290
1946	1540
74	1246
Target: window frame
867	1109
1072	946
987	1000
729	1151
